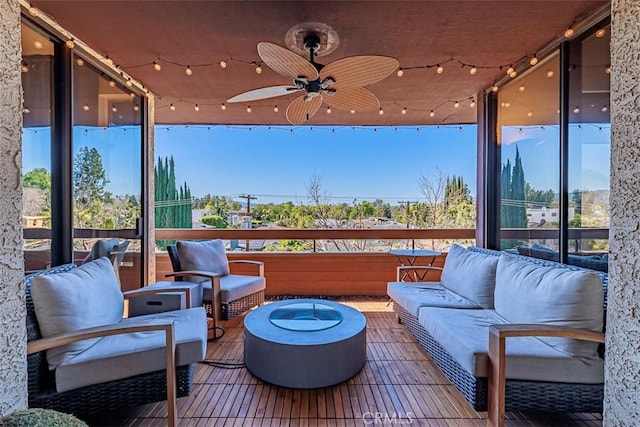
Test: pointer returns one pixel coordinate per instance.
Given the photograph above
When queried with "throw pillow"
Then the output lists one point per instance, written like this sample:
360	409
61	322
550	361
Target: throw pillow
206	256
84	297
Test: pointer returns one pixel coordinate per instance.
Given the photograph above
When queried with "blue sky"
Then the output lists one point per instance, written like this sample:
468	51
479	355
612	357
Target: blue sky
355	163
361	163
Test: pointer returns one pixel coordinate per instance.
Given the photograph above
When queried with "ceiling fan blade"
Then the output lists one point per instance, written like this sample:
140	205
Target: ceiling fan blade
300	110
263	93
285	62
359	70
352	98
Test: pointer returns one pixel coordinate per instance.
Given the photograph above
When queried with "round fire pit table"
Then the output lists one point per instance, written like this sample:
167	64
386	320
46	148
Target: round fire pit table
305	343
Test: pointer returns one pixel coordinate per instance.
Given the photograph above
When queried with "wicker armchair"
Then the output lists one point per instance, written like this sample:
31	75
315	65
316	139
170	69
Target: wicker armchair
164	384
224	295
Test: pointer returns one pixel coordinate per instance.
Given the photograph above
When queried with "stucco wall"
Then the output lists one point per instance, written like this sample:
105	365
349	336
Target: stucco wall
622	373
13	335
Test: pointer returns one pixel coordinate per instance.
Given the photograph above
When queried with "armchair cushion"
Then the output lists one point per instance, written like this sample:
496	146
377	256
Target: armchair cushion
205	256
471	275
84	297
235	286
121	356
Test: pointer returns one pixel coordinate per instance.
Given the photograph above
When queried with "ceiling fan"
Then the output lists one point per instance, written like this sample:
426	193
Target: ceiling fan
340	83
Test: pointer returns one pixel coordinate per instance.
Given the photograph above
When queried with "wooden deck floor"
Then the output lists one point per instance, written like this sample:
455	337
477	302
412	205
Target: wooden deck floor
399	384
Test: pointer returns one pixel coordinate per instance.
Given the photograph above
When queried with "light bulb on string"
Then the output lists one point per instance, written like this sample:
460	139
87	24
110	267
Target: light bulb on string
109	60
473	70
400	72
353	111
472	103
404	110
129	82
275	109
513	74
157	66
114	109
569	32
328	110
223	107
601	32
550	73
381	111
576	110
24	68
223	64
197	108
439	69
432	113
34	11
533	60
80	62
495	88
456	104
248	108
86	107
510	70
70	44
604	108
136	107
112	83
188	71
172	107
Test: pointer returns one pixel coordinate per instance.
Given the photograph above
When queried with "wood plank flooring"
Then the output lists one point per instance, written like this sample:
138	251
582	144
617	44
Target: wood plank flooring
399	385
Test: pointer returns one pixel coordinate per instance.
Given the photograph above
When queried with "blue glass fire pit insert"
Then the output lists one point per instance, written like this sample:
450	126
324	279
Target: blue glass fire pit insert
305	317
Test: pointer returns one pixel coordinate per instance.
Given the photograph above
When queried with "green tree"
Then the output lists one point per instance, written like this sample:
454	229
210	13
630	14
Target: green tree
513	212
39	178
173	205
89	177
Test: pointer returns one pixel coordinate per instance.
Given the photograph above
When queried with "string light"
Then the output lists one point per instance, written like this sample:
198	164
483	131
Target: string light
472	103
223	107
473	70
576	110
569	32
26	110
197	108
86	107
80	62
432	113
34	11
136	107
129	82
510	70
521	88
112	83
495	88
275	109
70	44
400	72
328	110
172	107
114	109
456	104
248	108
109	60
440	69
601	32
549	73
381	111
157	66
353	111
188	71
404	110
24	67
604	108
223	64
533	60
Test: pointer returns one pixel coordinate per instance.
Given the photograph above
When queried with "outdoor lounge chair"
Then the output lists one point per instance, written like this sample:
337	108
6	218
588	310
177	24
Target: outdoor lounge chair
225	295
84	358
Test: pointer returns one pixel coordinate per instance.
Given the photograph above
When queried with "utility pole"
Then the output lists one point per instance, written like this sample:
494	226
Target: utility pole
249	198
408	204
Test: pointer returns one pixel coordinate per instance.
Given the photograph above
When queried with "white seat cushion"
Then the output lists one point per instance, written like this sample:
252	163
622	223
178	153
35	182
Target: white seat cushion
122	356
464	334
412	296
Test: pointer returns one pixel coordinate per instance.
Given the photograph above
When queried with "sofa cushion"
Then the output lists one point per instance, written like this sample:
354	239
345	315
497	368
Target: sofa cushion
209	256
412	296
122	356
84	297
530	293
464	334
470	274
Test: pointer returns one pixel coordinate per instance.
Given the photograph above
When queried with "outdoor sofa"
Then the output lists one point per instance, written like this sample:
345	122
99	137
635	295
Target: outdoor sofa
483	291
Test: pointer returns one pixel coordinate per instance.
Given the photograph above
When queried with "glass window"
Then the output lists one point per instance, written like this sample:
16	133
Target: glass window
107	186
528	134
589	148
37	66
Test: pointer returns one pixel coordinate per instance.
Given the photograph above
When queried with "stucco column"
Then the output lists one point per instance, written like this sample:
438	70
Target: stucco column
622	363
13	334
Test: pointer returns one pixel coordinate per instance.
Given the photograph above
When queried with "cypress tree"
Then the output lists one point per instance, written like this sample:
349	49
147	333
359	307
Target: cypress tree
519	213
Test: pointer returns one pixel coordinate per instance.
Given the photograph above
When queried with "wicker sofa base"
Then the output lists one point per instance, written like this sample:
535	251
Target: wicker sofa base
520	395
114	395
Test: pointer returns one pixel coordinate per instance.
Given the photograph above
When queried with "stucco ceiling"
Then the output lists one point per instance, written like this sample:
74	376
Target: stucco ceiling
488	34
